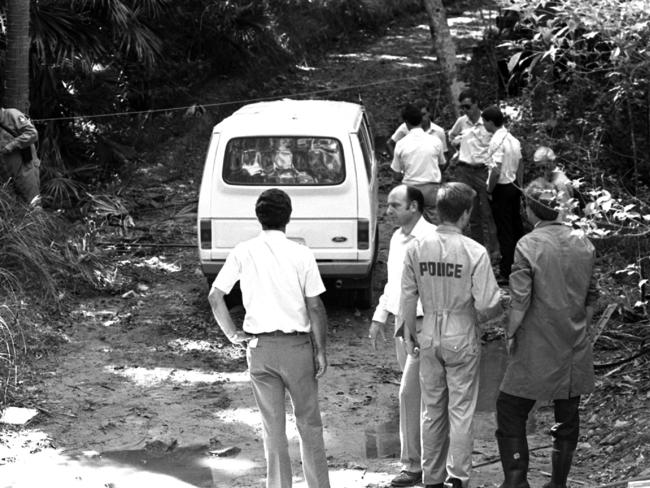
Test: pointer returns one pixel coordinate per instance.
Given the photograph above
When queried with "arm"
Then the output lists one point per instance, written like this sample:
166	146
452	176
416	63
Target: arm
409	302
379	320
318	320
390	146
493	177
223	317
24	133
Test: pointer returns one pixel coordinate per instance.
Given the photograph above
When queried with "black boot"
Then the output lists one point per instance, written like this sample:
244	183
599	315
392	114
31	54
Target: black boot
514	459
561	459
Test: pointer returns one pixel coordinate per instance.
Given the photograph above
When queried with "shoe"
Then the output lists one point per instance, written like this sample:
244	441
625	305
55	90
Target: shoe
561	458
406	478
514	460
455	483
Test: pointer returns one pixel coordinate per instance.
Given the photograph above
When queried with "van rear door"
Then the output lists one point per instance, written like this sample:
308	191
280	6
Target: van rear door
319	175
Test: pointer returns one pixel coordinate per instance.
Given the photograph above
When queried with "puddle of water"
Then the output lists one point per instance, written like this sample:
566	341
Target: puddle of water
382	441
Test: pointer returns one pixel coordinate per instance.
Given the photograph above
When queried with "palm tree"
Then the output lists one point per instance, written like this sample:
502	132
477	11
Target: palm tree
16	73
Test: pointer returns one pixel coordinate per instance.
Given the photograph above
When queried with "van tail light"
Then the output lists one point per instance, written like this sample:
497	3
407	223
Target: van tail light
363	234
205	229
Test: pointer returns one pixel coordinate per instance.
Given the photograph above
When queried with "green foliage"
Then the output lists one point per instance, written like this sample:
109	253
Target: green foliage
589	75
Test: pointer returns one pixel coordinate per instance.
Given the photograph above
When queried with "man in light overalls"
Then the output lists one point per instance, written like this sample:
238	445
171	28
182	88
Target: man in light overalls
452	276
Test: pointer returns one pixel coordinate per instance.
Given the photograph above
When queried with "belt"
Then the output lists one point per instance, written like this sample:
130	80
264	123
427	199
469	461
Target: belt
472	166
279	333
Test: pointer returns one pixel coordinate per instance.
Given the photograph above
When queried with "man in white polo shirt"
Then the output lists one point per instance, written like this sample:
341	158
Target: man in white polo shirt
472	139
427	126
419	157
504	181
285	330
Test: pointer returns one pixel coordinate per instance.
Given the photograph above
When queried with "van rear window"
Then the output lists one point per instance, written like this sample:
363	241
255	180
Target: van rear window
291	161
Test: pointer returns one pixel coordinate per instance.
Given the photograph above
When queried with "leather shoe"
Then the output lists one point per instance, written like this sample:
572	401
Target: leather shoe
406	478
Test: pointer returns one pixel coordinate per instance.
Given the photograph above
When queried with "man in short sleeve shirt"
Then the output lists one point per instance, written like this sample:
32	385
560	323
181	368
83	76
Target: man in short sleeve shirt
285	330
428	126
419	157
505	179
452	276
472	139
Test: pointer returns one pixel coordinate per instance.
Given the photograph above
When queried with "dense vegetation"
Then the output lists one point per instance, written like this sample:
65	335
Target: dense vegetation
580	84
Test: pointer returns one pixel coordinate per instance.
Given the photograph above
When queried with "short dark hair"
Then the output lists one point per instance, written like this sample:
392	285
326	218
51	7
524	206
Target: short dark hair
453	199
415	195
412	115
273	209
422	103
542	199
493	114
468	93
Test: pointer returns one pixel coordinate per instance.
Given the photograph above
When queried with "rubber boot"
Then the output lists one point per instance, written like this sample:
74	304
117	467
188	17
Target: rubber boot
561	458
514	459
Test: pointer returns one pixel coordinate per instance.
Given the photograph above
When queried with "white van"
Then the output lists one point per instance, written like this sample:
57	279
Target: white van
322	154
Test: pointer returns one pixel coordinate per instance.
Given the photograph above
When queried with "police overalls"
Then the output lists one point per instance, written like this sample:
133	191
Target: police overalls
452	276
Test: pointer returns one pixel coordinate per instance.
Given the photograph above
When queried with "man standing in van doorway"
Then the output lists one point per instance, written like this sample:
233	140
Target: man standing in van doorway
419	157
404	209
452	276
285	330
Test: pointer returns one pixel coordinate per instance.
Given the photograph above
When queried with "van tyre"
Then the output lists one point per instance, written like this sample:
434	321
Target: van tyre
365	296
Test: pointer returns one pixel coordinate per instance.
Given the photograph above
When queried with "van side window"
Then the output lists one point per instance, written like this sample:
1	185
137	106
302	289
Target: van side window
366	149
291	161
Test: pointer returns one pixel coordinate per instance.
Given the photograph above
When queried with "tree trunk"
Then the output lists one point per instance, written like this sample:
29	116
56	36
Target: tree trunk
16	89
445	50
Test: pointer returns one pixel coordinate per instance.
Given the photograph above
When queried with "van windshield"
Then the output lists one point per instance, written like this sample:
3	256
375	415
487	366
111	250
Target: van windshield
291	161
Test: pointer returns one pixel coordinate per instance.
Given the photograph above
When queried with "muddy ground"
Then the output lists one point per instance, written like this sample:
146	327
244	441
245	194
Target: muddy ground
144	390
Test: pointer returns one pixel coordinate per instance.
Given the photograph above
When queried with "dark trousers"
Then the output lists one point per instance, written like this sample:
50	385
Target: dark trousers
512	413
507	217
481	226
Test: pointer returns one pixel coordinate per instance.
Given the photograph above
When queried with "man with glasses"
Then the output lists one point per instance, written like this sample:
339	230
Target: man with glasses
472	140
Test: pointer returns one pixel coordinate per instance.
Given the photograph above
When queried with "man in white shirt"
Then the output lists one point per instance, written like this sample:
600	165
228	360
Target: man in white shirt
504	182
472	139
285	330
404	209
427	126
419	157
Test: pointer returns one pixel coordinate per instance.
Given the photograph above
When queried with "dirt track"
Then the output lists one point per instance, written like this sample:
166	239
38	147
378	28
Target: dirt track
147	386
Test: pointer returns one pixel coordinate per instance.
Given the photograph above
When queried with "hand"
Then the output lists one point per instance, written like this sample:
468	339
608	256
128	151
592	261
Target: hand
239	337
321	364
376	330
412	347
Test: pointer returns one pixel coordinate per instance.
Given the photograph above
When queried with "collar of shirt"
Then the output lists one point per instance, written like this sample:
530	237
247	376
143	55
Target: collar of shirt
273	234
416	130
418	230
546	223
449	228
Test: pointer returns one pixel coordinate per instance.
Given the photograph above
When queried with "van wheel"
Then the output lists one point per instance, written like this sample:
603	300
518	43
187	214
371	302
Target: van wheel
365	296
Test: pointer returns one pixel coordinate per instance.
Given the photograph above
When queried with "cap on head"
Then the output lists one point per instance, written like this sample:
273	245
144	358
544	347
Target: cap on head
543	153
273	208
542	199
